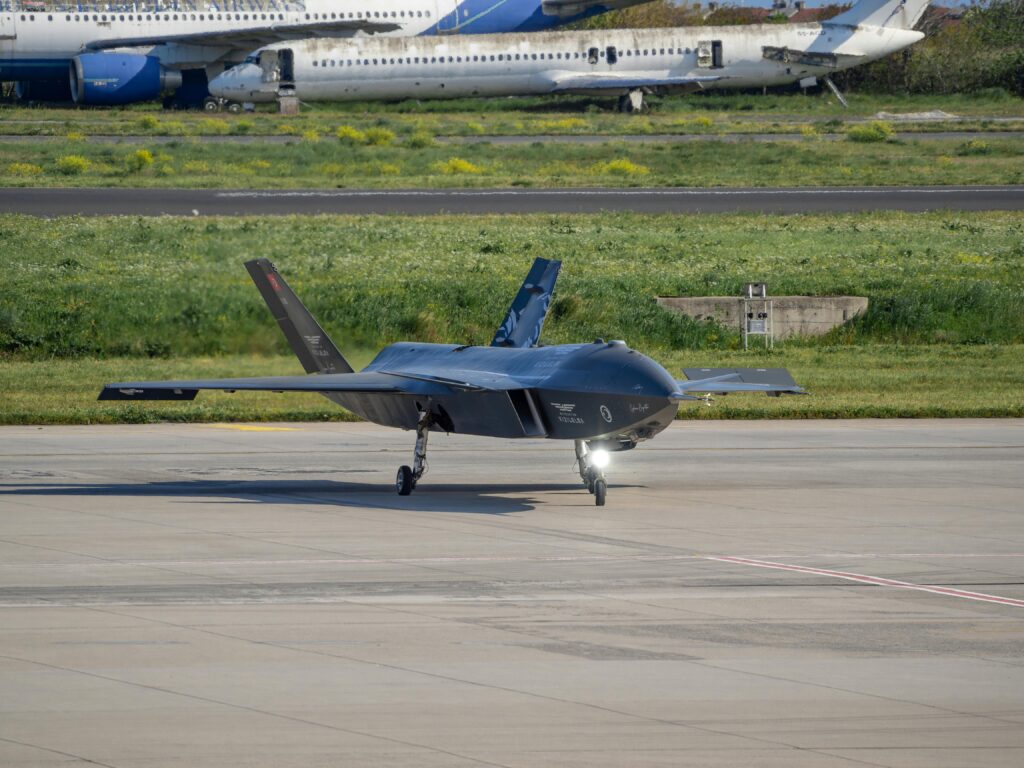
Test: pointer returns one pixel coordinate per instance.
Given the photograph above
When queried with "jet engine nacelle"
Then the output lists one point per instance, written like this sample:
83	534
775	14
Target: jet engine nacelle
115	78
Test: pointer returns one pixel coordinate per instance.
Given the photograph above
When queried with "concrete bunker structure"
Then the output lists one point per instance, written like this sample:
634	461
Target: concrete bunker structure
792	315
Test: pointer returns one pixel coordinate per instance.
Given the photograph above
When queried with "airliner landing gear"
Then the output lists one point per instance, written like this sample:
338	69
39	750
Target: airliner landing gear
591	474
632	102
213	104
407	477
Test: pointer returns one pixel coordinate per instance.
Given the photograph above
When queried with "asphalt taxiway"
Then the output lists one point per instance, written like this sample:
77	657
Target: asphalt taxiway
188	202
755	593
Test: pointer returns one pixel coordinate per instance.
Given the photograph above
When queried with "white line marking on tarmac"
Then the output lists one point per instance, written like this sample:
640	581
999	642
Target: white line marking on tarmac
865	579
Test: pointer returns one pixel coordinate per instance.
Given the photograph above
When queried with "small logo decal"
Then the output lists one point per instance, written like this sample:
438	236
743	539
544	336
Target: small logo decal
606	414
567	413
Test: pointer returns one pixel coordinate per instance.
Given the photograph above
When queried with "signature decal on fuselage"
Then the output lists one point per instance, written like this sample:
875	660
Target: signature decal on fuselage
639	408
567	413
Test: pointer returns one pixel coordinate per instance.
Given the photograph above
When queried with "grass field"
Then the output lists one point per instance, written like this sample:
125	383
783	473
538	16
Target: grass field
531	116
327	161
105	287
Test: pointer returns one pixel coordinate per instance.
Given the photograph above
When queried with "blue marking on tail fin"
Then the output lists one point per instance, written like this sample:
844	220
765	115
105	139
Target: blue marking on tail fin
525	318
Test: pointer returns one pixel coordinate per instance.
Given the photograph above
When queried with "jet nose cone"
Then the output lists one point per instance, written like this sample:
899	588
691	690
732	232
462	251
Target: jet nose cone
219	86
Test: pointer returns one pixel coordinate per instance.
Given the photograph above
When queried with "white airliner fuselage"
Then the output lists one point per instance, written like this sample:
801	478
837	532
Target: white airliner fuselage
623	61
42	45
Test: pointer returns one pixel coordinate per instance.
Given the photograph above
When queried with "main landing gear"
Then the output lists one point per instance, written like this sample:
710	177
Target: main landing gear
592	474
407	477
632	102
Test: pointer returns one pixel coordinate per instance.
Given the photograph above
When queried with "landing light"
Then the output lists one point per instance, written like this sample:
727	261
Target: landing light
600	458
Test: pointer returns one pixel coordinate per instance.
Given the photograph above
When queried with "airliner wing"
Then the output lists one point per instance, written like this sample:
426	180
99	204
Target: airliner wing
575	7
588	82
254	37
323	383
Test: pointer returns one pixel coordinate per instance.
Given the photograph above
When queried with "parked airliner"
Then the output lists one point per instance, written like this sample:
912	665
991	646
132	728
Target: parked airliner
628	62
118	53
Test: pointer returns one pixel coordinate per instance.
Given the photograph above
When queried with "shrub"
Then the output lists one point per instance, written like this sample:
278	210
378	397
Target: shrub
286	129
259	165
808	131
139	160
173	128
148	123
24	169
196	166
71	165
213	126
312	135
379	137
387	169
242	126
455	166
74	136
876	130
621	167
420	140
348	135
973	147
703	121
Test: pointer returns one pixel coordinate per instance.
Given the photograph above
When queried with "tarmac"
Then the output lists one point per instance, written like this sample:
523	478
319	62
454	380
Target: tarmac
47	202
792	594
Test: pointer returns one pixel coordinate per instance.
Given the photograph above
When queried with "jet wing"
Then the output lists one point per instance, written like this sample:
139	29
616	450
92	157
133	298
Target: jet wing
323	383
254	37
771	381
611	81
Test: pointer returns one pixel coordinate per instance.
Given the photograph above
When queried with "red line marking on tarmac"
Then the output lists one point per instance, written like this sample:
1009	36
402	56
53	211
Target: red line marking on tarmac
876	580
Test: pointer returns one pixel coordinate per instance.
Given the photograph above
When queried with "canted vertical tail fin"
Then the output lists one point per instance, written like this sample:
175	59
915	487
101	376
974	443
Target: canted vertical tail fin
313	347
525	318
901	14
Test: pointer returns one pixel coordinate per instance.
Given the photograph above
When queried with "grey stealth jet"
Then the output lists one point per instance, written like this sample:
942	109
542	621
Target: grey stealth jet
604	396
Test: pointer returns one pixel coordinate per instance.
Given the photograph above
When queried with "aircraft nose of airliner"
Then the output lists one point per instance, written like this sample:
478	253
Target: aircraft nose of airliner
239	82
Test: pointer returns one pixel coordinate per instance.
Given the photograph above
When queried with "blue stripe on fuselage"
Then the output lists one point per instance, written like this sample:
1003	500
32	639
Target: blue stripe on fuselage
481	17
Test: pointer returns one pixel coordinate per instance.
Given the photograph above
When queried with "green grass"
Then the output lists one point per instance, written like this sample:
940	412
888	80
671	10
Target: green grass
845	382
330	162
710	113
159	287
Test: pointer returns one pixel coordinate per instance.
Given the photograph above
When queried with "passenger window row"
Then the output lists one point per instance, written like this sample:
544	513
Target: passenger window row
226	16
491	57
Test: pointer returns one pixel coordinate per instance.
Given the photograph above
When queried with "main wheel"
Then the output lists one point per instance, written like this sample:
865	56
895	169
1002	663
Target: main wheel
403	481
234	107
211	105
600	491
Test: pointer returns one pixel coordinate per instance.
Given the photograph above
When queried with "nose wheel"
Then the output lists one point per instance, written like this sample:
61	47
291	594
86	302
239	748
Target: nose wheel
592	475
407	477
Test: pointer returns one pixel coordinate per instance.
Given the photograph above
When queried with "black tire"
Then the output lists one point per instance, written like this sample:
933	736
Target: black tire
234	108
403	481
600	491
211	105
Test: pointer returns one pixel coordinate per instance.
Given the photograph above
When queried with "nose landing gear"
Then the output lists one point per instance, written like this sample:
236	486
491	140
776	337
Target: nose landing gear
407	477
592	475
